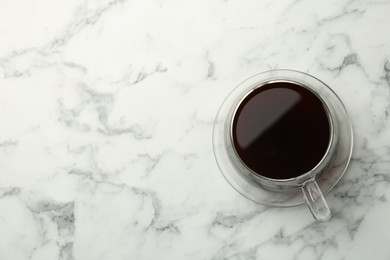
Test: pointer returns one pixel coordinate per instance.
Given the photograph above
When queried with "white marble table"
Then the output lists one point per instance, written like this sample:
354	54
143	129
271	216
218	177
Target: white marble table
106	116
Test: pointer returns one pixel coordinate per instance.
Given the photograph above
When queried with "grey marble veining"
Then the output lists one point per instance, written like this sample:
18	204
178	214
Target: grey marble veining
107	109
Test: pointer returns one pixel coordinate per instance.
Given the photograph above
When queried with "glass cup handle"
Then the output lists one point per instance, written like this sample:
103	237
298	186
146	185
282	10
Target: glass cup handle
315	200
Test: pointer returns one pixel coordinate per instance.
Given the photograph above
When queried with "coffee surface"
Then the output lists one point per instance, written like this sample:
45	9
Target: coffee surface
281	130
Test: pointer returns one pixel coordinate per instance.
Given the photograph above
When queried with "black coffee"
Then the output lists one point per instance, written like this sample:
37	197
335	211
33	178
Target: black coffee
281	130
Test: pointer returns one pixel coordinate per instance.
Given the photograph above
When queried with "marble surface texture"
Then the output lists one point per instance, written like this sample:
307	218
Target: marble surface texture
106	116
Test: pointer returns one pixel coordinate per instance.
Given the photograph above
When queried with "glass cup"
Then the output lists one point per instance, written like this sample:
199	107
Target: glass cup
286	192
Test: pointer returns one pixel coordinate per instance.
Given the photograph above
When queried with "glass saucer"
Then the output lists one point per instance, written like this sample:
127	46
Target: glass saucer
246	185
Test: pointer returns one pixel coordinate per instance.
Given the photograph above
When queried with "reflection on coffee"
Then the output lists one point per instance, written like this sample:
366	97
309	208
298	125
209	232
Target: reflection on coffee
281	130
